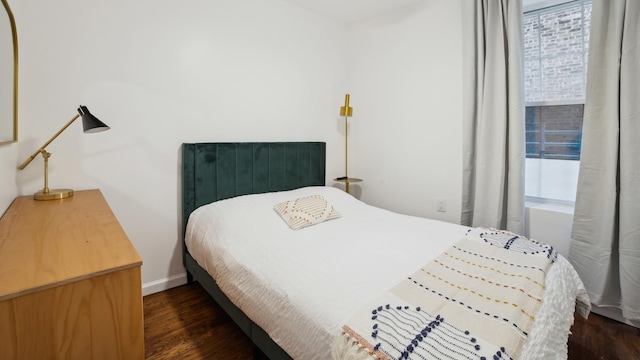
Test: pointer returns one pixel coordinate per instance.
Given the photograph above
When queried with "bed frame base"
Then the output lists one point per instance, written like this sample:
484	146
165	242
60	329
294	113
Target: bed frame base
259	337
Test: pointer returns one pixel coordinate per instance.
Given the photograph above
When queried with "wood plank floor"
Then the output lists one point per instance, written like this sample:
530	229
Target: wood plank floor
185	323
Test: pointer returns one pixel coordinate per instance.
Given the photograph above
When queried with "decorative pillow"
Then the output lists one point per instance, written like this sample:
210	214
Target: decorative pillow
306	211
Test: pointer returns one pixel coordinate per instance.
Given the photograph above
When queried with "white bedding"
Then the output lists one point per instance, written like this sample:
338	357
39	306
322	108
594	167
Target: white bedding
301	286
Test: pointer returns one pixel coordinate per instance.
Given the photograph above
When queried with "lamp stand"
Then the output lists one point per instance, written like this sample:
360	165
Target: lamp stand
346	111
46	193
346	154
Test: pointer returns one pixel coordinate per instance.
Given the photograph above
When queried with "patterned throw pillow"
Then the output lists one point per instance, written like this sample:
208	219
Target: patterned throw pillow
306	211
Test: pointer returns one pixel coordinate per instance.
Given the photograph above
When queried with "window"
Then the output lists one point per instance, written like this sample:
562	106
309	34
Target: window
554	131
556	41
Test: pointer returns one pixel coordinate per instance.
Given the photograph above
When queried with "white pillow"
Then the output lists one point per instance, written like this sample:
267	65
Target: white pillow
302	212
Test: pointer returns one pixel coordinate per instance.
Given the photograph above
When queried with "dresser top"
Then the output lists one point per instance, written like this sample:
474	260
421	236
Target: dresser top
44	244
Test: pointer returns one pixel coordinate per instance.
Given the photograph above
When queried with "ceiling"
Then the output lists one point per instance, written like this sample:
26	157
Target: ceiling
348	11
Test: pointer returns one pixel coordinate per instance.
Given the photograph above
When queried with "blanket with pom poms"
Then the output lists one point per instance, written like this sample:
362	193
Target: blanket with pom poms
477	300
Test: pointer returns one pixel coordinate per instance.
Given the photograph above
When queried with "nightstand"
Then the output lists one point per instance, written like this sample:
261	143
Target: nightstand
347	181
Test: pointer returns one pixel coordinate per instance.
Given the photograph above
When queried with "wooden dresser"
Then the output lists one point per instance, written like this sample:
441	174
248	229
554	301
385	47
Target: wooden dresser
70	281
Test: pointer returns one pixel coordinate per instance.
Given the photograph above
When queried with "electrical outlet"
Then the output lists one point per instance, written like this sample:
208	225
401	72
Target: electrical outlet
441	205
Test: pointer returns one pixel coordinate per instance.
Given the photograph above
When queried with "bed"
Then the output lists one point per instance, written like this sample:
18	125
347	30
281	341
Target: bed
324	290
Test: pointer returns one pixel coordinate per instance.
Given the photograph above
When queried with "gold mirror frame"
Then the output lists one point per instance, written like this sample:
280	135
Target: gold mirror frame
14	35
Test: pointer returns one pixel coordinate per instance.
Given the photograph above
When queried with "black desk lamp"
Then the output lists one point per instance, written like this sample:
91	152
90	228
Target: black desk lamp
90	124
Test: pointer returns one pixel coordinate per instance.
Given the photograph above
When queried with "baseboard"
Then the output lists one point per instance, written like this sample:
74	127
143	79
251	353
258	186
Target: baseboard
163	284
613	313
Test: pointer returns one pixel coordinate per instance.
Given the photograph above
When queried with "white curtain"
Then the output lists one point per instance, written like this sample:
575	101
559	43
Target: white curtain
493	115
605	240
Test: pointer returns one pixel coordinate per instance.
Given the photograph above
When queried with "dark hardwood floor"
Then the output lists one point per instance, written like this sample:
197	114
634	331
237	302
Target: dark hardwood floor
185	323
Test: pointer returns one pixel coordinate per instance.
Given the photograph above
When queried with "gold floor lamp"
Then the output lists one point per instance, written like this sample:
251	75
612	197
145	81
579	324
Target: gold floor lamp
90	124
347	112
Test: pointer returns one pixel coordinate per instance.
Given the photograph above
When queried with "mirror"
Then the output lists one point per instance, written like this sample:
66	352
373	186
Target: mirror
8	76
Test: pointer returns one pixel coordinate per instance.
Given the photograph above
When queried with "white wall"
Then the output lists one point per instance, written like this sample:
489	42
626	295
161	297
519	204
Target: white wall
550	223
8	187
161	73
249	70
405	76
405	135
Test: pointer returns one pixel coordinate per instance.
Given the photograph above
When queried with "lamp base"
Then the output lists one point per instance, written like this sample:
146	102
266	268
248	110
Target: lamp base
53	194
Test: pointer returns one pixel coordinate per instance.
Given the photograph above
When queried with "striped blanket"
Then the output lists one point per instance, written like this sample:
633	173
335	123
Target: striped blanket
476	300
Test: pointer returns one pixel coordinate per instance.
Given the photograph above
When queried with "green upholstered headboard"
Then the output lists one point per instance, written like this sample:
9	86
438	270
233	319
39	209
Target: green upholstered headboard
217	171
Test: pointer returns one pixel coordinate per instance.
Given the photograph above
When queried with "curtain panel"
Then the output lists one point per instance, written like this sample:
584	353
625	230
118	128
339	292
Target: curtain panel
605	239
493	115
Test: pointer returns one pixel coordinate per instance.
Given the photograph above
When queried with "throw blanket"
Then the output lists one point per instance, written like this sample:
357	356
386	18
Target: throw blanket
477	300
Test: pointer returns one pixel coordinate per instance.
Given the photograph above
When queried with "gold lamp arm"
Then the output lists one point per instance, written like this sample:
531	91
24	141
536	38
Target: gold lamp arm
41	149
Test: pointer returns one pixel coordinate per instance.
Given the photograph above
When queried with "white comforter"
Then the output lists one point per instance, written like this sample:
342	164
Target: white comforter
301	286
